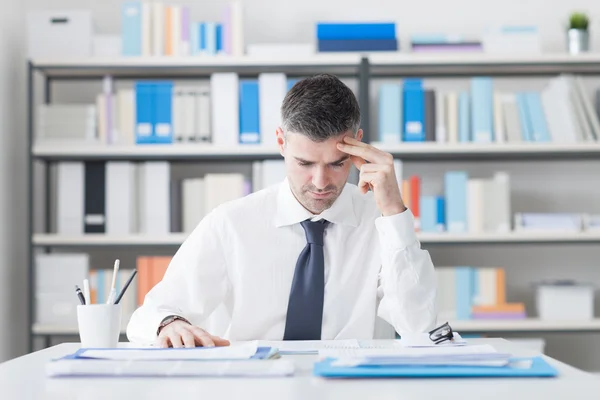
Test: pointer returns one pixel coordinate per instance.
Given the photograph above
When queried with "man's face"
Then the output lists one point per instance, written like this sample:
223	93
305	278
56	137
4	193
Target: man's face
316	171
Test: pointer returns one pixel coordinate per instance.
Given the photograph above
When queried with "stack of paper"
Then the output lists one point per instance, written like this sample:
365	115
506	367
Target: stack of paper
481	355
308	346
429	361
245	359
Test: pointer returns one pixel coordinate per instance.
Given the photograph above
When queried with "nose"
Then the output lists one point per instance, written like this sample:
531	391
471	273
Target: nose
320	179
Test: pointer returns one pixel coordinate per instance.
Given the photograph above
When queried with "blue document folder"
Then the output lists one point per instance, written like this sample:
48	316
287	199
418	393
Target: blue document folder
539	368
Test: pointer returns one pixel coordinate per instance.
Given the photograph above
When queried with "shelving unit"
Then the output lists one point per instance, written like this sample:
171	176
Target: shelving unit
175	239
406	151
360	67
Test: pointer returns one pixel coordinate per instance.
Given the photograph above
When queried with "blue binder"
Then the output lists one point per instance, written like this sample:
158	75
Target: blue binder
539	368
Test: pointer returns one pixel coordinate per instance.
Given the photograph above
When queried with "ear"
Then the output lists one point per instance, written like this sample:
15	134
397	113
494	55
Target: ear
359	135
280	140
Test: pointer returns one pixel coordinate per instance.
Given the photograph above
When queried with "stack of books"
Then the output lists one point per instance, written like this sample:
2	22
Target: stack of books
356	36
467	204
413	112
159	29
466	293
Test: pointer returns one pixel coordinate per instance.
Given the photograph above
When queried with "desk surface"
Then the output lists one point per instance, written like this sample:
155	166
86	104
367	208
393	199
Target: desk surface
24	378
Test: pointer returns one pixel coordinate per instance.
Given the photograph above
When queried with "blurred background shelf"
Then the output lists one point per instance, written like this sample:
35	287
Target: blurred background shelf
175	239
140	67
390	64
406	151
526	325
463	326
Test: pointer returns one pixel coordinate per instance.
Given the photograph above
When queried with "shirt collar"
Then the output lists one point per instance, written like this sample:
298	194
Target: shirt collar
290	211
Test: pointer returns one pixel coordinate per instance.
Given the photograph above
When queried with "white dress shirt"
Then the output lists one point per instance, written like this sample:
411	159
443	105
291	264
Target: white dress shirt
237	267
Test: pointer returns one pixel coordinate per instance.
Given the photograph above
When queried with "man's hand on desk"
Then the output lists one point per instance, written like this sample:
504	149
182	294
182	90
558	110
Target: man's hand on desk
181	334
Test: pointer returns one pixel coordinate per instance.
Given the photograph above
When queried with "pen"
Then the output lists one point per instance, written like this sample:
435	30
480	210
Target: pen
126	286
113	287
79	294
86	291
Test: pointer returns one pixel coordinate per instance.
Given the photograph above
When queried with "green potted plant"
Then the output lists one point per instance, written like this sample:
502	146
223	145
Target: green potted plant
578	33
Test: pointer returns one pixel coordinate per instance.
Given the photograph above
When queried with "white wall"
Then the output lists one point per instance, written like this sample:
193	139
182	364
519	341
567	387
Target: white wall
13	177
293	21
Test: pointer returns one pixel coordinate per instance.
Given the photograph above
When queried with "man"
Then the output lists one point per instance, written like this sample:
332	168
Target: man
312	258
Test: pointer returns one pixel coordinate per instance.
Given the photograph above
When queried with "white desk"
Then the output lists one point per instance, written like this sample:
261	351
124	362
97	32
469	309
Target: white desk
24	378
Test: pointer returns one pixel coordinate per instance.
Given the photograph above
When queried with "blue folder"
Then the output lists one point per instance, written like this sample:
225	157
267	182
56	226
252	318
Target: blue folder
539	368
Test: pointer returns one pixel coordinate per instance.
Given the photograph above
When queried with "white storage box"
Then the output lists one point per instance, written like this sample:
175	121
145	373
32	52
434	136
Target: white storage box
565	300
62	33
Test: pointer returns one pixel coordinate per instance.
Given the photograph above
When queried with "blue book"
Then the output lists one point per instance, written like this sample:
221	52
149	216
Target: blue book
390	113
203	44
144	112
249	112
464	292
539	124
455	186
331	45
524	117
413	103
427	213
464	126
482	120
195	38
210	30
354	31
131	28
219	37
163	122
291	83
440	213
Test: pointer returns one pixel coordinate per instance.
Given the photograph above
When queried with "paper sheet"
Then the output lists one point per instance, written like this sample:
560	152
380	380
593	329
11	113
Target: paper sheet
233	352
422	340
146	368
407	351
308	346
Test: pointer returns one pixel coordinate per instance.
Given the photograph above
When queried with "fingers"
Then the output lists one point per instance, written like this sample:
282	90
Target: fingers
163	342
220	341
202	337
188	338
368	180
365	151
358	162
175	339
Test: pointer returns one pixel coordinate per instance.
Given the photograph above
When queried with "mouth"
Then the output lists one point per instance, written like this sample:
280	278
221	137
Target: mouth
321	195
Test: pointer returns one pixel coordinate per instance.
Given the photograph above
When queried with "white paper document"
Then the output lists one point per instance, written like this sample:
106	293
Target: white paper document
308	346
233	352
423	340
187	368
449	355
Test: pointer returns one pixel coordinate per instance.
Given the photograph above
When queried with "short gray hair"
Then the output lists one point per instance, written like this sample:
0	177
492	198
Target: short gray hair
320	107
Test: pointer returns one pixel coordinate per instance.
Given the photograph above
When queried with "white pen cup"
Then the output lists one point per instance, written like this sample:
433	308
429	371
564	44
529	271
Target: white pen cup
99	325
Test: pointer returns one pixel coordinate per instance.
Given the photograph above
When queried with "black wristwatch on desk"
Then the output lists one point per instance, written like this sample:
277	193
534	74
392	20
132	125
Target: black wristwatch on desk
167	320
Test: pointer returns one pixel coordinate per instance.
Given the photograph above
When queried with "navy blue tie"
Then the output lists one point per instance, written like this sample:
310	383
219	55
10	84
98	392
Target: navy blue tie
305	308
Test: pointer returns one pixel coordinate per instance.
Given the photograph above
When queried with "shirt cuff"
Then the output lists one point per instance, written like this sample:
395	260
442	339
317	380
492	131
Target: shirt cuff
397	231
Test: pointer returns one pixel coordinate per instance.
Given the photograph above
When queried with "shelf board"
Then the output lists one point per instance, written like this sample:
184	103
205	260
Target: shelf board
468	326
526	325
464	64
55	329
516	237
176	239
405	151
482	151
199	152
194	66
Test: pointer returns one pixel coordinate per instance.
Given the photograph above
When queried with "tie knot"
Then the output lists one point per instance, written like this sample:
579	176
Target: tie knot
314	231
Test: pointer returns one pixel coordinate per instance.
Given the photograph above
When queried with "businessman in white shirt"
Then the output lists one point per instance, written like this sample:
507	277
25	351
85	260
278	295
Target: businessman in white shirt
311	258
